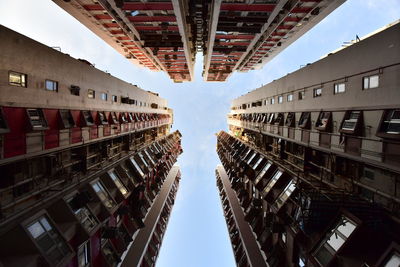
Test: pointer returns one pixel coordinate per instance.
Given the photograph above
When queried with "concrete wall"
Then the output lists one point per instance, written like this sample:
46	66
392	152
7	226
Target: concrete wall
39	62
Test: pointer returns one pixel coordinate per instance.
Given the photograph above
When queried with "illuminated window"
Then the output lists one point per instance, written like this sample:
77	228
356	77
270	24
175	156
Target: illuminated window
17	79
91	93
51	85
371	82
334	241
49	240
84	255
103	194
339	88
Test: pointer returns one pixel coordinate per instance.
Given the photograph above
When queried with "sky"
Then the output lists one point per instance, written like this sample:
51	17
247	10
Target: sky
196	235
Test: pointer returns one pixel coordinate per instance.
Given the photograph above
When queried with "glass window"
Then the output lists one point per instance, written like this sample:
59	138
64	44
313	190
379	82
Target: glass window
339	88
272	101
49	240
280	99
137	167
84	255
286	193
335	240
114	98
51	85
371	82
391	122
302	95
91	93
350	123
394	260
117	180
317	92
17	79
104	96
82	213
262	173
273	181
289	97
103	194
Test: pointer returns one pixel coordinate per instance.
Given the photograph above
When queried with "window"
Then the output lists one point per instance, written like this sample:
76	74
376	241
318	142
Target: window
289	98
272	101
304	121
324	121
279	119
137	167
334	241
290	119
302	95
82	213
103	118
113	118
17	79
371	82
37	119
393	261
75	90
67	120
84	255
87	117
49	240
262	173
122	117
272	182
280	99
317	92
339	88
103	194
51	85
117	180
351	122
390	124
286	193
271	117
104	96
91	93
114	98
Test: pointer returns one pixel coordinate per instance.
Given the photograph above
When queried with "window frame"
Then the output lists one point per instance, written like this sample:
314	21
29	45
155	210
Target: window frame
272	101
44	124
336	88
301	94
53	83
369	81
324	127
21	75
290	119
358	123
103	96
289	97
317	92
37	219
63	121
305	120
118	182
87	253
381	132
91	92
280	99
106	192
333	231
114	98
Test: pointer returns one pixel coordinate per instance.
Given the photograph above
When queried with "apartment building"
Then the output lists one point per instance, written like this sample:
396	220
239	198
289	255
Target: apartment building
312	159
232	35
86	162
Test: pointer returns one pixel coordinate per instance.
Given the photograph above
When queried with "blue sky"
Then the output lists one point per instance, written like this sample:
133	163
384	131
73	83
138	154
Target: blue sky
196	234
